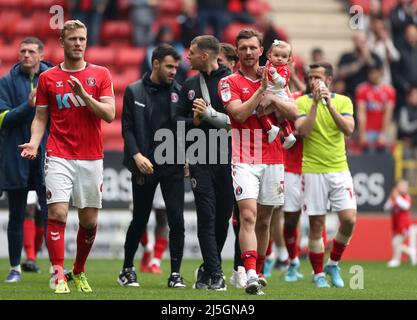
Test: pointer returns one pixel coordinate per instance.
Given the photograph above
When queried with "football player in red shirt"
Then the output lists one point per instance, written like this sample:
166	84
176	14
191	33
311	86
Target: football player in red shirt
257	170
74	97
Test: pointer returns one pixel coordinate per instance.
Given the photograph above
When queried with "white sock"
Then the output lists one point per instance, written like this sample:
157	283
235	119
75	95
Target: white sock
155	261
16	268
397	242
295	261
251	273
330	262
282	253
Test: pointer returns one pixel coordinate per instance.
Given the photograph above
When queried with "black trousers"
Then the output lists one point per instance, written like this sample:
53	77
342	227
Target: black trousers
17	199
172	187
237	261
213	192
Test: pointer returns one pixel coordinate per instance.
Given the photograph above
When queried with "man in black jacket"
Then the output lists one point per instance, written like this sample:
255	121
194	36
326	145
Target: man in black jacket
211	181
147	108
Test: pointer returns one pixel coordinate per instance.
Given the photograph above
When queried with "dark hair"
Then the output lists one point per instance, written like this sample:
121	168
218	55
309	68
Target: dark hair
163	50
229	51
33	40
249	33
328	68
207	42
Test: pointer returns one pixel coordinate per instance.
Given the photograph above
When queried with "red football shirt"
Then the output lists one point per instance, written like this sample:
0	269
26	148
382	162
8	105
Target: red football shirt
376	99
249	141
293	157
75	131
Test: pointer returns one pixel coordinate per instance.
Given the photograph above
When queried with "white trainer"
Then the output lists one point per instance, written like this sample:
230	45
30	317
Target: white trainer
238	278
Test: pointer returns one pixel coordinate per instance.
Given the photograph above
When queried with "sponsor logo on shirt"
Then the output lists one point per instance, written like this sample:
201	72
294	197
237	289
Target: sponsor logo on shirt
140	104
65	99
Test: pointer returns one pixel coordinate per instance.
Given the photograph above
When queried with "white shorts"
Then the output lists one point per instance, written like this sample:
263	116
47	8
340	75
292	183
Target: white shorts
292	192
263	182
158	199
320	189
81	179
32	198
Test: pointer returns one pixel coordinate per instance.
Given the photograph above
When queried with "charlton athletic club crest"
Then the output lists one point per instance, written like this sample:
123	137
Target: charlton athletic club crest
191	94
91	81
174	97
238	191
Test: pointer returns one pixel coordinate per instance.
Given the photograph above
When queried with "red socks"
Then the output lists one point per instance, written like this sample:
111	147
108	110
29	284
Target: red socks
85	240
290	237
266	123
160	246
38	239
260	263
249	259
55	240
29	232
337	250
286	128
317	260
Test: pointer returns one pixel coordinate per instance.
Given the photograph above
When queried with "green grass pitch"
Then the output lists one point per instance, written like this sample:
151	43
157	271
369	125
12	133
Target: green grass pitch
379	282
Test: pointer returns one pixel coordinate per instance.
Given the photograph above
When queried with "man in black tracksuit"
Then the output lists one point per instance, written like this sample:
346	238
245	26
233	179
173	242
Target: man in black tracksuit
211	183
148	106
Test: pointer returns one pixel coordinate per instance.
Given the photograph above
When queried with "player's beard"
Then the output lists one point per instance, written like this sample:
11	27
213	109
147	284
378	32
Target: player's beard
74	57
164	78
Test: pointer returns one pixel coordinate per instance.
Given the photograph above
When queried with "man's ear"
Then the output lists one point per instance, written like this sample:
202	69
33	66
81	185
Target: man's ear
155	64
61	42
329	80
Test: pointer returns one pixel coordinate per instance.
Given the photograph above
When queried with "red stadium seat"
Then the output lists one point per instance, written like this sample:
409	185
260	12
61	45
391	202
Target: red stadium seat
8	4
258	7
170	21
9	54
116	30
100	55
22	27
170	7
112	135
232	31
130	57
120	83
4	68
37	4
8	17
58	56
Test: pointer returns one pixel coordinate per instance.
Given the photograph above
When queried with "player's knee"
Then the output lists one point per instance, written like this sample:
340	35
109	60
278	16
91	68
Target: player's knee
316	227
57	213
247	218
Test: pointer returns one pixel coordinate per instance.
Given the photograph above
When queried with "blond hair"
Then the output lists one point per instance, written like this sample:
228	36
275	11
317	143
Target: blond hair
280	44
72	25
